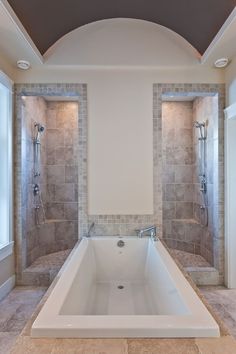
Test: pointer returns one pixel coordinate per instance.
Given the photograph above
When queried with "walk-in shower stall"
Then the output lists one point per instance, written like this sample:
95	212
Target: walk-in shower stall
49	198
190	180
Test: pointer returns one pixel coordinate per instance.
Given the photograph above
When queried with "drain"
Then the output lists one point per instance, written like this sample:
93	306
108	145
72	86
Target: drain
120	243
120	287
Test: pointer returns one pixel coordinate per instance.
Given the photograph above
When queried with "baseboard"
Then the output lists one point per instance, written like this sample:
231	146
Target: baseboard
6	287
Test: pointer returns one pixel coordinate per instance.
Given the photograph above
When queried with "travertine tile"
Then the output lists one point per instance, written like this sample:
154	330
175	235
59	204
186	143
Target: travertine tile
28	345
90	346
162	346
223	345
7	340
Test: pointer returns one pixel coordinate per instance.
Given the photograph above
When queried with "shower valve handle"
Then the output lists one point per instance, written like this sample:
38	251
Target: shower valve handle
36	189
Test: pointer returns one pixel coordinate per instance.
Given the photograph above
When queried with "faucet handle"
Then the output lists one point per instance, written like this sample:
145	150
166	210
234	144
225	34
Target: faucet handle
138	232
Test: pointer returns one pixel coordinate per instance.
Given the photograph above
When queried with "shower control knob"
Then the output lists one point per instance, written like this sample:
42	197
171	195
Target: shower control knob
36	189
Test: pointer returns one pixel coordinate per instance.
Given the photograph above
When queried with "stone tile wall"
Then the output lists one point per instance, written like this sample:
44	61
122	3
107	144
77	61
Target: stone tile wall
186	226
205	109
60	233
58	178
61	199
180	230
33	110
217	90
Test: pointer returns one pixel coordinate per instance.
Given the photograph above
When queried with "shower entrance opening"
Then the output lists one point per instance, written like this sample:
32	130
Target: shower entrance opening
49	185
190	181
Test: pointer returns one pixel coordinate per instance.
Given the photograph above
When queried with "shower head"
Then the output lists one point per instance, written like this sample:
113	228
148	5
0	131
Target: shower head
197	124
202	129
39	127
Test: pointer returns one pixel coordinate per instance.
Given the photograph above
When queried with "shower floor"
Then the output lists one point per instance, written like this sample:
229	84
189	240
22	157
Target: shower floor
44	269
189	259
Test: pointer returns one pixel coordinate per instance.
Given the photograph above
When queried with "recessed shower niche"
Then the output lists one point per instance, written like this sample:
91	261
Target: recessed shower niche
49	203
190	181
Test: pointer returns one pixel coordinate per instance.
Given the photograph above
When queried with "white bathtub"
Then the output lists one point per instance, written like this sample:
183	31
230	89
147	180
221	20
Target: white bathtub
133	291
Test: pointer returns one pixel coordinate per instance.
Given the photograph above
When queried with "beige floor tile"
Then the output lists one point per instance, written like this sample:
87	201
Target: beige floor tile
223	345
7	340
27	345
90	346
162	346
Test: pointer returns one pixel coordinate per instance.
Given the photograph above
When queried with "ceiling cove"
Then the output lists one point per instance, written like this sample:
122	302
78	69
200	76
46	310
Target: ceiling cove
196	21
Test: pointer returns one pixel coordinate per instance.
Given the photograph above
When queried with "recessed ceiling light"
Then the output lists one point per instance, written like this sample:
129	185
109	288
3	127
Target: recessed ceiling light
221	63
23	64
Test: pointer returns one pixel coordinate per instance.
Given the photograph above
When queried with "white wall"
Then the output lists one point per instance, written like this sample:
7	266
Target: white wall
6	67
230	80
120	159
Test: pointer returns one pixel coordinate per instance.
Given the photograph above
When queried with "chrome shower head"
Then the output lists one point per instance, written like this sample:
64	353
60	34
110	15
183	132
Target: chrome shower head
39	127
202	129
197	124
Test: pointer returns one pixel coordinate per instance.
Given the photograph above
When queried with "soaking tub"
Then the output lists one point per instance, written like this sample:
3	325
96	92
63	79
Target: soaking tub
122	287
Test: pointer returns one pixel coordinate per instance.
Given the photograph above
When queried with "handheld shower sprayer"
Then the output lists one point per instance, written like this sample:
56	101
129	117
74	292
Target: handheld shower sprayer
201	126
39	130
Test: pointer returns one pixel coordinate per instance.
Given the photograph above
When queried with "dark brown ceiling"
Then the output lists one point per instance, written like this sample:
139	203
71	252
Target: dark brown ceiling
198	21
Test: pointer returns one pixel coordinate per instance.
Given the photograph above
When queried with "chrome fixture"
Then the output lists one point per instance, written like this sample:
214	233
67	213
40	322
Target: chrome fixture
90	229
40	217
39	129
203	183
202	129
151	229
202	175
36	189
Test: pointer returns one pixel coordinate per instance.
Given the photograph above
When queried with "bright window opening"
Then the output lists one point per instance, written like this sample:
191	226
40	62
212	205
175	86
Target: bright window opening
5	162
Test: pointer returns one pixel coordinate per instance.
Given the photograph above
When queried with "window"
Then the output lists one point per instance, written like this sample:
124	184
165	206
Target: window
5	166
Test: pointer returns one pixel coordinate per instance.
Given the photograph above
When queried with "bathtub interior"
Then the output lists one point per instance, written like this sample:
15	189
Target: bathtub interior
129	280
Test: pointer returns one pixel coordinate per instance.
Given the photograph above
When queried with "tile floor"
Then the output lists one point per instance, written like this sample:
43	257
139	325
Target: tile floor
223	303
15	311
18	306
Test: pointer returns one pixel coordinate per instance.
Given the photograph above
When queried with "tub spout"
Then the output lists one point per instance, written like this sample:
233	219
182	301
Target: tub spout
90	229
151	229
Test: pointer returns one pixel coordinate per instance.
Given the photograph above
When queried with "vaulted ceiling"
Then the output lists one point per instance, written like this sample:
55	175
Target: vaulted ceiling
198	21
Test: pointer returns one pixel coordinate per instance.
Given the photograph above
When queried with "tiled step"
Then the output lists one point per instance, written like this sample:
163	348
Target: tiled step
197	267
44	269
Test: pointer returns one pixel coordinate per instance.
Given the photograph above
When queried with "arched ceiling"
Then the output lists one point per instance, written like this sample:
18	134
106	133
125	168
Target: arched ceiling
122	42
198	21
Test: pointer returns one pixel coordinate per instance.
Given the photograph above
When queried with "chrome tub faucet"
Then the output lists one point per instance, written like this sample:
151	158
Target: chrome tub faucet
151	229
90	229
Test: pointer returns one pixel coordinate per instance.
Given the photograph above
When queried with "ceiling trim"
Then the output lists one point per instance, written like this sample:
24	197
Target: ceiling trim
219	36
21	30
